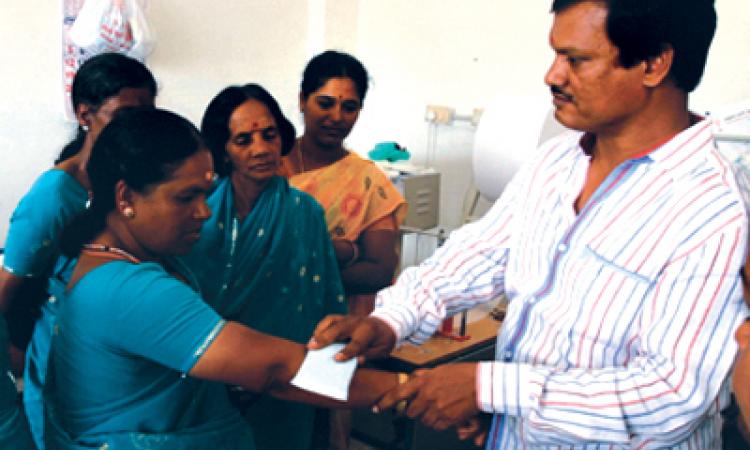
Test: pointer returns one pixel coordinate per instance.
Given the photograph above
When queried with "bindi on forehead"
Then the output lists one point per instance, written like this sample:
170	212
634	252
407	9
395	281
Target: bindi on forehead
250	125
260	126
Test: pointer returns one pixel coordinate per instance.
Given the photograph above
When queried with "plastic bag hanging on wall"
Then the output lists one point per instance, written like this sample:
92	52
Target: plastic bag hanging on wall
91	27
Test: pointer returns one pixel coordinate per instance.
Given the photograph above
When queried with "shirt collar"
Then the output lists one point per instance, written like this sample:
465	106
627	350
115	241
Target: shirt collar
700	129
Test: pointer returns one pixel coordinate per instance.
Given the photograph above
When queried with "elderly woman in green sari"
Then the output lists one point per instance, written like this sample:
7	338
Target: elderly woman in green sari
265	258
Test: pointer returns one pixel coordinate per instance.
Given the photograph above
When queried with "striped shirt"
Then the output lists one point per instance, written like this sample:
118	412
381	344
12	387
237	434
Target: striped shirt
619	330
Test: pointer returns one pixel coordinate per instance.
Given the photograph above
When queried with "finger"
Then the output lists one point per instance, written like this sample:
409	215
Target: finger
463	434
431	418
417	407
467	429
362	338
420	372
371	338
325	332
480	438
402	392
442	425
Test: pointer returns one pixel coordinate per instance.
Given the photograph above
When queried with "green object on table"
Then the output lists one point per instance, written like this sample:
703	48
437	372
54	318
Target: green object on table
388	151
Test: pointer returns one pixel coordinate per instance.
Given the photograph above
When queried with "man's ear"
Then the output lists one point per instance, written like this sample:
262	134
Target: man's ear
301	102
658	67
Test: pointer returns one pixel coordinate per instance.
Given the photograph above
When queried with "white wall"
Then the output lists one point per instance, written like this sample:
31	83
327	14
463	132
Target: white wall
463	54
418	52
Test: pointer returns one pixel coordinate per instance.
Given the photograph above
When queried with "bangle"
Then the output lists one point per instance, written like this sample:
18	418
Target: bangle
355	254
402	404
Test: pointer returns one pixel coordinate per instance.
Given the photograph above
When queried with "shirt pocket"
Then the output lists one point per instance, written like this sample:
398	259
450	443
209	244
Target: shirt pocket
607	301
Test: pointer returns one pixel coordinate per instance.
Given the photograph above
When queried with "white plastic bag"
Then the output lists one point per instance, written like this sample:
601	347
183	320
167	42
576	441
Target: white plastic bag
144	37
113	26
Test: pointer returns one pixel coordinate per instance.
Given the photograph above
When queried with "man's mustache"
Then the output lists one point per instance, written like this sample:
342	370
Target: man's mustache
556	90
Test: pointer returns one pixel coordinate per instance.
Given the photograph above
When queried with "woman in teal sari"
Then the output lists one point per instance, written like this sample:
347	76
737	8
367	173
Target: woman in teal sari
265	257
102	85
138	359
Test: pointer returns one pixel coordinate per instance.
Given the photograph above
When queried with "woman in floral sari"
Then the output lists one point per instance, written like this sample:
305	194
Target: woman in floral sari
264	257
363	209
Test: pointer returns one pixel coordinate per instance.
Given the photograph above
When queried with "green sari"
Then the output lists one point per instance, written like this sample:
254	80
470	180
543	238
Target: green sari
276	272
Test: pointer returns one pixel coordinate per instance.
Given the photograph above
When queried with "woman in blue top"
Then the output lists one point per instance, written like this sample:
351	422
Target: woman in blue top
138	359
103	84
265	257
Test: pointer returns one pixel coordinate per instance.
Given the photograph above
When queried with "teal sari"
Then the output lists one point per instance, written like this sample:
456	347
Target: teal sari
276	272
31	251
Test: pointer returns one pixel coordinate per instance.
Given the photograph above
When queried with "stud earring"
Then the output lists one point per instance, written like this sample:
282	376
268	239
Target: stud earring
85	128
127	211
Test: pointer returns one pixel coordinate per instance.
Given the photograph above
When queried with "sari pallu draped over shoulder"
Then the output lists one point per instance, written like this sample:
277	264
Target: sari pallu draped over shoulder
355	194
275	270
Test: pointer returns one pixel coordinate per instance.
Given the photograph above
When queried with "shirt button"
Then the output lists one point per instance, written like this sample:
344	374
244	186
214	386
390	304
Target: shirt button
562	248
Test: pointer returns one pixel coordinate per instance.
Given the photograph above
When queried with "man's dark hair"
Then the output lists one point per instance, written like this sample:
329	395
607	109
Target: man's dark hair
641	29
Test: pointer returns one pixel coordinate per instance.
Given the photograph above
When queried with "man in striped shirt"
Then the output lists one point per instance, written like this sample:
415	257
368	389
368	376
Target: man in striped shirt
618	246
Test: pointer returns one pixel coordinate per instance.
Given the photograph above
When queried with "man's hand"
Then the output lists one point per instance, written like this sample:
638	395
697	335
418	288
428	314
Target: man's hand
370	338
475	429
442	397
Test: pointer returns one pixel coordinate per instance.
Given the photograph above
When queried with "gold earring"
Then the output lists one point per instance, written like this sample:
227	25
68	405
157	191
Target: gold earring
128	212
